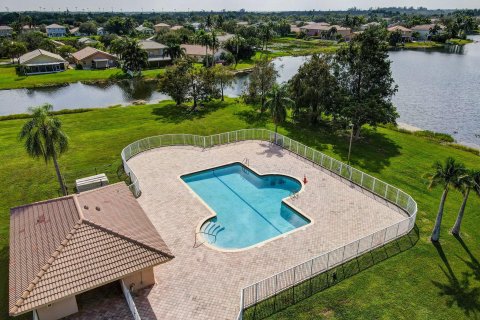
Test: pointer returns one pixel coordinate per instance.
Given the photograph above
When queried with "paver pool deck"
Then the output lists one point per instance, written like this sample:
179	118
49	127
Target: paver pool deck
204	283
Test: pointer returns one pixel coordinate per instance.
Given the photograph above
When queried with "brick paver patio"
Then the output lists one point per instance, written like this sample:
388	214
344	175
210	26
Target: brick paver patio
203	283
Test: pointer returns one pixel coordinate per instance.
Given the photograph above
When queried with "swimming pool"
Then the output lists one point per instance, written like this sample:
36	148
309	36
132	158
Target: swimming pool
248	207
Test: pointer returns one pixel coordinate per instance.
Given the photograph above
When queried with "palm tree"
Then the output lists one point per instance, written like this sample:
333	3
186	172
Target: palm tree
446	175
237	40
467	182
214	43
278	102
134	57
44	138
204	39
174	51
266	33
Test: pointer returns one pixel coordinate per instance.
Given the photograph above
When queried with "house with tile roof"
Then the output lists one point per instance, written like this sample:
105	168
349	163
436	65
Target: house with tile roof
41	61
63	247
404	31
161	26
144	30
198	52
92	58
56	30
155	52
6	31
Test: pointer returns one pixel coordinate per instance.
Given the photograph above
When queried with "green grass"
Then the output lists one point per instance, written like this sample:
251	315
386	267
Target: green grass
423	45
459	42
422	282
10	80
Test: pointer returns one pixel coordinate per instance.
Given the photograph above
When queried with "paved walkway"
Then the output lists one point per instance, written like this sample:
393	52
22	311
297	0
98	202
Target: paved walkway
203	283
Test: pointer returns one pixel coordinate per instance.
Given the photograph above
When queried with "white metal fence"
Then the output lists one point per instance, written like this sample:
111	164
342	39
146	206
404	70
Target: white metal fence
284	280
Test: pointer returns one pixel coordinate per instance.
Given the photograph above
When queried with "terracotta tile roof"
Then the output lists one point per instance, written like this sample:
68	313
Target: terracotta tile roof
162	25
400	28
150	44
89	51
69	245
54	26
195	50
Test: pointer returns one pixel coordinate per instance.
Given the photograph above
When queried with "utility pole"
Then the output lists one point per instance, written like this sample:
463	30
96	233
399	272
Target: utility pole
351	138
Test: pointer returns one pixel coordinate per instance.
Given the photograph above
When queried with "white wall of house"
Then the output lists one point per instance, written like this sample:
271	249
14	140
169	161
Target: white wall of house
58	310
139	279
56	32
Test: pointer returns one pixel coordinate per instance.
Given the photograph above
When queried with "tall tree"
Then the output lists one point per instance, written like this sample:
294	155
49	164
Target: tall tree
266	34
223	78
467	182
262	78
174	51
315	89
175	81
44	138
445	175
15	49
278	102
134	58
363	71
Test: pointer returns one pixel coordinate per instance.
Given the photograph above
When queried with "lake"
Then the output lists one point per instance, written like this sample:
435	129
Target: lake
438	90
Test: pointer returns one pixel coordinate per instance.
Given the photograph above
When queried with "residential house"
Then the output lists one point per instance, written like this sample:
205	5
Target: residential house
92	58
5	31
406	32
64	247
56	30
101	31
365	26
424	30
87	41
76	32
294	28
27	28
199	52
322	29
242	23
225	37
40	61
144	30
161	26
196	25
155	52
176	28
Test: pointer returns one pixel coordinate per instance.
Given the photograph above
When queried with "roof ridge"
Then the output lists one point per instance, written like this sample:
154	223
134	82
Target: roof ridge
43	270
42	201
108	230
99	188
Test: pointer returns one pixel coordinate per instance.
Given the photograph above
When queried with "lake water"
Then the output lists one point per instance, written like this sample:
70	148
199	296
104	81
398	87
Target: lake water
438	90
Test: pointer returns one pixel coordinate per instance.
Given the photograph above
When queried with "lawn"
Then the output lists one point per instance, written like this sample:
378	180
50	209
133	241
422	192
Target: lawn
424	282
10	80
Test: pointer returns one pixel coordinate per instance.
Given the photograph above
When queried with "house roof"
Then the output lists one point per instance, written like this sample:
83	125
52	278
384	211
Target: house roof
423	27
162	25
39	52
142	28
195	49
225	37
89	51
316	26
399	28
150	44
73	30
87	40
52	26
176	28
65	246
5	28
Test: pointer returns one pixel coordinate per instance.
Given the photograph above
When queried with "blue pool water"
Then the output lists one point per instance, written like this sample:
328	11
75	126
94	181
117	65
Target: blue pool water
248	207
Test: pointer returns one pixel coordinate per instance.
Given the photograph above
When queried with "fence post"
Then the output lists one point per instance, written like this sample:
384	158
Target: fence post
373	185
386	191
398	193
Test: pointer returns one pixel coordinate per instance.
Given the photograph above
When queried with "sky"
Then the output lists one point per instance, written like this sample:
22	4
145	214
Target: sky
249	5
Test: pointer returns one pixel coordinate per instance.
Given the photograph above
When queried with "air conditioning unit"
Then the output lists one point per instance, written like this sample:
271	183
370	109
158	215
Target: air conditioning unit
92	182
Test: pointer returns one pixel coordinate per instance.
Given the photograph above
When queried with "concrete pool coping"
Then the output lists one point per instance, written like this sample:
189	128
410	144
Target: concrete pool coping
214	214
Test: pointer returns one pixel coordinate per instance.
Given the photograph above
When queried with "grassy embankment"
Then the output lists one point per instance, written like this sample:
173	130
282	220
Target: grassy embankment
423	282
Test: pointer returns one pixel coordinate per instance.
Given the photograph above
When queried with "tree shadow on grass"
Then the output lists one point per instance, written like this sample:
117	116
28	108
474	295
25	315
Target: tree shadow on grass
457	291
177	114
372	151
253	117
303	290
473	264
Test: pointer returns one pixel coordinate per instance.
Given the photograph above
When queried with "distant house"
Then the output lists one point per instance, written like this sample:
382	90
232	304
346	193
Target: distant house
91	58
424	30
294	28
406	33
5	31
176	28
198	52
242	23
161	26
365	26
41	61
196	25
321	29
64	247
87	41
225	37
101	31
155	52
56	30
76	32
27	28
144	30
